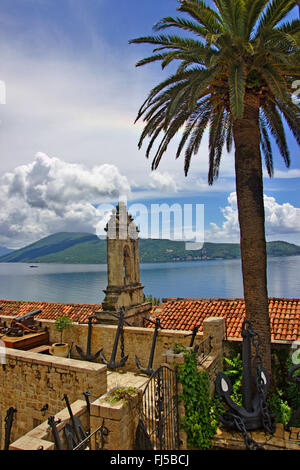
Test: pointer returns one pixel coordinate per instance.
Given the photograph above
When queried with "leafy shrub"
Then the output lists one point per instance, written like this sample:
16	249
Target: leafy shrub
121	393
279	406
233	369
62	323
178	348
154	300
201	412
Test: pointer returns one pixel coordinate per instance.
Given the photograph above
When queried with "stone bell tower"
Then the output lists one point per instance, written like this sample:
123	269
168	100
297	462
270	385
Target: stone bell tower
124	288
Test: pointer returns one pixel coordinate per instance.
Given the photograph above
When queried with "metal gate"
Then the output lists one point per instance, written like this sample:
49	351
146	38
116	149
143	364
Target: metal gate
158	425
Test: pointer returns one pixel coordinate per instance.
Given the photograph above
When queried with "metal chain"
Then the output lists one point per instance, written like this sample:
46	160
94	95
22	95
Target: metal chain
268	422
122	342
251	444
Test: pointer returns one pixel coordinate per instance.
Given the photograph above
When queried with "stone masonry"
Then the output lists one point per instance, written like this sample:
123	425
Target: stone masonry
124	288
29	380
120	418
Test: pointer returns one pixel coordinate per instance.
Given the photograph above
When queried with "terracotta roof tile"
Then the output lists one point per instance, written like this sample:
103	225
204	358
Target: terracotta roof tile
179	314
185	314
50	310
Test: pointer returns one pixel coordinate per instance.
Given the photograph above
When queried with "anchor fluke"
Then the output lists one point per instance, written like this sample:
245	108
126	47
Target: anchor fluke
149	370
112	364
88	356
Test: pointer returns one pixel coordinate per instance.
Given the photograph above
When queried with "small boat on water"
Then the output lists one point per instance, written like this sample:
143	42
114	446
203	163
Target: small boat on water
33	266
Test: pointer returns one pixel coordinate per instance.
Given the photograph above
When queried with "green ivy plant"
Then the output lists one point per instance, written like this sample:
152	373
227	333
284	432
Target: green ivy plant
201	412
234	369
279	406
178	348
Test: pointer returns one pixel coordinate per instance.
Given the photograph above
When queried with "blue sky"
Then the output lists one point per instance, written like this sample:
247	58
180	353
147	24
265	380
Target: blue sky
67	134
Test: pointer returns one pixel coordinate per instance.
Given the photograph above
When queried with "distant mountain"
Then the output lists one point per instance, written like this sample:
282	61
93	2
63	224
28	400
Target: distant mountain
69	247
64	247
4	250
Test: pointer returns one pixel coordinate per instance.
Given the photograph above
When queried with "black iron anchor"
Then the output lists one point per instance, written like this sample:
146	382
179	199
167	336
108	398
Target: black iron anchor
149	370
254	413
193	336
88	356
74	433
9	418
112	364
57	441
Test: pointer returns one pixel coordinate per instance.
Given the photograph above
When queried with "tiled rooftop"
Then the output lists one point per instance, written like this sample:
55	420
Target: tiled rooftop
50	310
179	314
185	314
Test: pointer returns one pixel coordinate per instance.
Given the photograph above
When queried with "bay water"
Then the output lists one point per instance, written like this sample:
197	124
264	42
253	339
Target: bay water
84	283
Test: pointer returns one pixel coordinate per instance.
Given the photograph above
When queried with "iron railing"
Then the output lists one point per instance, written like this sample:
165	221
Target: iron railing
99	439
203	349
159	413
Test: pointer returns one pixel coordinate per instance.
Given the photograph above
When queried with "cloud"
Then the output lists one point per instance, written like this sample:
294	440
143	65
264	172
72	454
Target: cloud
163	181
49	195
68	106
280	219
294	173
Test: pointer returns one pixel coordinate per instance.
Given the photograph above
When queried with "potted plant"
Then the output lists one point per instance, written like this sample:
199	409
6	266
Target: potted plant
61	349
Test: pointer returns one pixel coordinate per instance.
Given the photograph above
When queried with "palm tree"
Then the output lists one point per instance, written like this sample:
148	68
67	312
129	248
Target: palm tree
234	75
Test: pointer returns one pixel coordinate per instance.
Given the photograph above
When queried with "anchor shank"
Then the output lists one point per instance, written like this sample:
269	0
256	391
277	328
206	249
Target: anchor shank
88	348
116	342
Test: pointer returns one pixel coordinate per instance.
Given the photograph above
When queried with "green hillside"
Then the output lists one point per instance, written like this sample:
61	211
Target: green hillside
68	247
4	250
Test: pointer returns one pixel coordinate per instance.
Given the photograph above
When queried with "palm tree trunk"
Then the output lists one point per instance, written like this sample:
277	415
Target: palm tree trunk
249	189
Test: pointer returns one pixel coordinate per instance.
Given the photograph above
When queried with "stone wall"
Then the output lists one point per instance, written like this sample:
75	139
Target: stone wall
42	435
137	341
120	419
280	440
31	380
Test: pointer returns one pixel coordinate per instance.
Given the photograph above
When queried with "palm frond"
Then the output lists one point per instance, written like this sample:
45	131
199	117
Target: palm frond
205	15
292	27
229	132
266	146
275	81
275	125
216	142
194	130
181	23
275	12
236	48
254	10
237	85
291	114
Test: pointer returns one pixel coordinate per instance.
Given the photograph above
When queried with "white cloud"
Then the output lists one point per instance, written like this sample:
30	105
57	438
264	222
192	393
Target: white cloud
280	220
49	195
69	107
163	181
294	173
